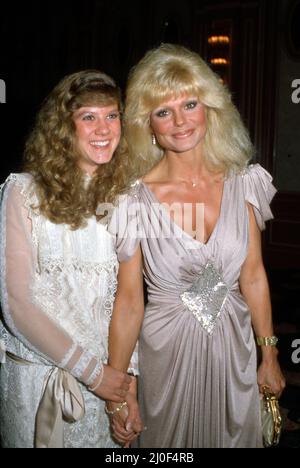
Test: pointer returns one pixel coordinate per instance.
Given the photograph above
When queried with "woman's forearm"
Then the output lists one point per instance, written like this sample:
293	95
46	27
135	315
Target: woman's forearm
124	331
257	296
128	313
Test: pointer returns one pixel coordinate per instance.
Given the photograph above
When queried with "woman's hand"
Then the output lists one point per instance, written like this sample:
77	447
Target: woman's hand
114	385
270	375
126	424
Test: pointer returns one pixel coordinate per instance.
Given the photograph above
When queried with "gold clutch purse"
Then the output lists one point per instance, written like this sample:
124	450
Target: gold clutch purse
270	418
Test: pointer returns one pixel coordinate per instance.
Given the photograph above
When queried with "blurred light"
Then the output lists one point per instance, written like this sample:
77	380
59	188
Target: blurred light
219	61
218	40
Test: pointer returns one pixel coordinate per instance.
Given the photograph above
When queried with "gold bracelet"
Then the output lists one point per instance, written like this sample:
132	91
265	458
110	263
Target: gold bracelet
117	410
267	340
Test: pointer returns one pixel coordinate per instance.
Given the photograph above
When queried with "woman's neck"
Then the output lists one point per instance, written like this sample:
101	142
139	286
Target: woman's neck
184	167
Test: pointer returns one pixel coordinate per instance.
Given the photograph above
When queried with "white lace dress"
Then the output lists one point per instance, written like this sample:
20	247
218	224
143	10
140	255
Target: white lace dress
57	293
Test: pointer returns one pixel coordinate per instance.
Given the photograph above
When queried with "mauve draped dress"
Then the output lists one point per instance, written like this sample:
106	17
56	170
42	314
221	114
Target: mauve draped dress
197	353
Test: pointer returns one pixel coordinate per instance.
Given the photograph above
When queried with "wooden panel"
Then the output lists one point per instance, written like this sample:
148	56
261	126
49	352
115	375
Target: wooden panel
282	243
252	27
253	81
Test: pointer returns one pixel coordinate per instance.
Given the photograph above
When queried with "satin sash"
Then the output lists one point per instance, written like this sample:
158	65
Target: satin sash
62	401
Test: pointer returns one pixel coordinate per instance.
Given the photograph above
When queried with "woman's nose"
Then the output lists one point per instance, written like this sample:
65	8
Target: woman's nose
102	127
179	118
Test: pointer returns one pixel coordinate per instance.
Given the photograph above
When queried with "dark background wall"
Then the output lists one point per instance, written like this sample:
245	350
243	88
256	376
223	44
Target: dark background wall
40	42
43	41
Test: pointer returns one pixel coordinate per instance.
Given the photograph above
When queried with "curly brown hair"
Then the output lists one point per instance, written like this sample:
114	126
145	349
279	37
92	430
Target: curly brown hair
51	156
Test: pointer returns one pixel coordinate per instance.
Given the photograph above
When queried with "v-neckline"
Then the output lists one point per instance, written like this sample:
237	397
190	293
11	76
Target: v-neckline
176	226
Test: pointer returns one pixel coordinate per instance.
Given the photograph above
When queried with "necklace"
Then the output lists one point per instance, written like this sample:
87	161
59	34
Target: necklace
188	183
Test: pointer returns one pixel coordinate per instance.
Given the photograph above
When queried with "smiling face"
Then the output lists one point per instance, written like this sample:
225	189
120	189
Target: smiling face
179	125
97	134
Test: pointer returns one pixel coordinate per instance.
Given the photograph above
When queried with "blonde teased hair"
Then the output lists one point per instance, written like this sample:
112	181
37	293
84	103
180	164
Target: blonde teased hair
171	71
51	152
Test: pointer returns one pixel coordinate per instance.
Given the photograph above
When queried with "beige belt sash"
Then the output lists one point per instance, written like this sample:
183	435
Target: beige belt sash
62	401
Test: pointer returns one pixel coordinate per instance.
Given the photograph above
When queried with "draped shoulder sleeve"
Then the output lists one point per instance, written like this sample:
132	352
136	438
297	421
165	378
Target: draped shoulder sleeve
22	318
125	227
125	223
259	192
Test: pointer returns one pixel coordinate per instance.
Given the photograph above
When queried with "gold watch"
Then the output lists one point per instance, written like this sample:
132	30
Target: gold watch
266	340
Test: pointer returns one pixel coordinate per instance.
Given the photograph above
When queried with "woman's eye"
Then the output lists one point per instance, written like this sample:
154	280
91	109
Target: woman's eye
114	116
191	105
162	113
88	117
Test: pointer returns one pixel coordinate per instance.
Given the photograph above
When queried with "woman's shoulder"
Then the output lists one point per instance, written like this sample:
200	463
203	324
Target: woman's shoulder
22	185
256	186
131	193
254	172
255	179
21	179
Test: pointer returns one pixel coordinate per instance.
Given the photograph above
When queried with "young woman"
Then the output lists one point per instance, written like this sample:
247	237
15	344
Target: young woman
59	271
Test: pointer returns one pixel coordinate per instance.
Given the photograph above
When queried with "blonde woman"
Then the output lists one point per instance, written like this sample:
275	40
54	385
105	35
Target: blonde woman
59	272
194	218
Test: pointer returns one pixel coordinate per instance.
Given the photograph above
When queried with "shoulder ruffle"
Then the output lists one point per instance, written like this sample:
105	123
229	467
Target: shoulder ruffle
125	223
25	183
259	192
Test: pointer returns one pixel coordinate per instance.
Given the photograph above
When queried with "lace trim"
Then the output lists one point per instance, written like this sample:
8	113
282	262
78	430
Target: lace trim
58	265
68	356
82	364
84	316
11	177
111	292
55	267
31	201
96	372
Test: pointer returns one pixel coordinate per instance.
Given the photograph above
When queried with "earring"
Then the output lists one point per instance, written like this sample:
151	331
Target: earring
153	139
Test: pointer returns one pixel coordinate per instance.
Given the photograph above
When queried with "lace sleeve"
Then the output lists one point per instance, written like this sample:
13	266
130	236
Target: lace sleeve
25	320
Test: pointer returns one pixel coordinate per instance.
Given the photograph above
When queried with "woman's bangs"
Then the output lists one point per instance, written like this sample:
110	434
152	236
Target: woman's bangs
94	98
163	93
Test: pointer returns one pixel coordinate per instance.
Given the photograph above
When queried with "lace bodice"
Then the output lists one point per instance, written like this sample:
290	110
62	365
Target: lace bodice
57	285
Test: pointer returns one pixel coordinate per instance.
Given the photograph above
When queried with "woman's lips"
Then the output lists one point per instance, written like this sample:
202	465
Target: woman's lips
183	135
100	144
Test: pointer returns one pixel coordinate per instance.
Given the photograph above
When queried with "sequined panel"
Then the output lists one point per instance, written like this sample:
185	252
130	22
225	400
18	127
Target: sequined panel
206	297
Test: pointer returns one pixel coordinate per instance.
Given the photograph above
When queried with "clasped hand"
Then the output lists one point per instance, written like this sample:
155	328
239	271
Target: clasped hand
114	385
126	423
